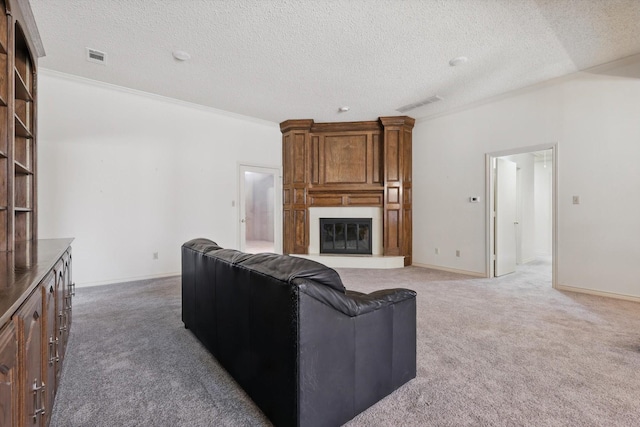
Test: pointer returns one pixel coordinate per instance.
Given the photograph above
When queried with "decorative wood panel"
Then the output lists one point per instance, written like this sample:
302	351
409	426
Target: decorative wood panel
345	159
287	237
300	231
407	238
286	160
392	232
298	154
392	156
348	164
375	155
346	199
327	200
393	195
365	200
299	196
315	159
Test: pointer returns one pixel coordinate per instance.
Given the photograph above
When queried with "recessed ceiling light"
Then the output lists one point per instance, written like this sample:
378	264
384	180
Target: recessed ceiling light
459	60
343	109
181	55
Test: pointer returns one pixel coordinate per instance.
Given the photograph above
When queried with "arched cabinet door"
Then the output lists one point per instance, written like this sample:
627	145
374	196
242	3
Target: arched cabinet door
8	376
30	328
51	365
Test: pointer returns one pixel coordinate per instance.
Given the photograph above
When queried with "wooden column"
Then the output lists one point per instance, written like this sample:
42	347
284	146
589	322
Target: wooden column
397	219
295	184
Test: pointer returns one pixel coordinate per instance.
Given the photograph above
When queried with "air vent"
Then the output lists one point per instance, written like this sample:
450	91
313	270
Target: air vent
96	56
429	100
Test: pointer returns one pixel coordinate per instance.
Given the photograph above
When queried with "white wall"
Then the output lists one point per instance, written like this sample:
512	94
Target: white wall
525	230
543	207
129	174
594	120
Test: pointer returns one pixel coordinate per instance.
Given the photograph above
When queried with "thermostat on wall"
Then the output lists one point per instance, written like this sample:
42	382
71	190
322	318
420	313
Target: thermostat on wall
474	199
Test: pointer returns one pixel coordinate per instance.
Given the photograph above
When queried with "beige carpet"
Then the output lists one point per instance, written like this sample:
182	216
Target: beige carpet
491	352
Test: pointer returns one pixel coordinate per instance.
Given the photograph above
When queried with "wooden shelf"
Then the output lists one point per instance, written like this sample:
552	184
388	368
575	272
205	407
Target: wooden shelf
18	153
22	169
22	92
21	129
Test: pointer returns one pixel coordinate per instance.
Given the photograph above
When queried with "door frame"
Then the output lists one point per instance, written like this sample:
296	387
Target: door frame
489	205
276	171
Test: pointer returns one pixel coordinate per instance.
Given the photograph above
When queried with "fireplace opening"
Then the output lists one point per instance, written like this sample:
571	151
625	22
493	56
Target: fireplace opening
345	236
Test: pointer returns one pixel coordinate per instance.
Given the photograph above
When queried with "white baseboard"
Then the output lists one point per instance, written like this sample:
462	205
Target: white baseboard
598	293
450	270
125	279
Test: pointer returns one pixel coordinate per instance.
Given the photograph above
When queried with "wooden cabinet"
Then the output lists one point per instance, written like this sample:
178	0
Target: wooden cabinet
20	47
8	376
35	317
348	164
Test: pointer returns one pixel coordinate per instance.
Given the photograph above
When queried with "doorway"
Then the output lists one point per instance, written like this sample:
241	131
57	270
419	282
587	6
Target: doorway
521	210
259	209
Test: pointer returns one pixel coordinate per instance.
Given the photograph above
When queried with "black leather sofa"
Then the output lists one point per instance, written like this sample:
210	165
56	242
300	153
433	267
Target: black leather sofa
307	351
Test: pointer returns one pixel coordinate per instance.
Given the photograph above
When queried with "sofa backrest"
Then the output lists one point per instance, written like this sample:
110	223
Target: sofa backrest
281	267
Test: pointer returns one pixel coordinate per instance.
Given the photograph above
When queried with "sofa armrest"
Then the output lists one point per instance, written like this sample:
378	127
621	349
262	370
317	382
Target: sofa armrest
353	303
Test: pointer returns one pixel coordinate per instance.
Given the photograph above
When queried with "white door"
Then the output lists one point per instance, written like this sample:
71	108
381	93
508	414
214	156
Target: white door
259	209
505	226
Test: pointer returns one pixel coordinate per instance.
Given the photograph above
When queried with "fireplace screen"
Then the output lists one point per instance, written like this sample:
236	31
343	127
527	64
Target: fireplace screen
345	236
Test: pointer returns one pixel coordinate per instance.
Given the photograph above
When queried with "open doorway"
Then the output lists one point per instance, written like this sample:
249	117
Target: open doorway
521	211
259	209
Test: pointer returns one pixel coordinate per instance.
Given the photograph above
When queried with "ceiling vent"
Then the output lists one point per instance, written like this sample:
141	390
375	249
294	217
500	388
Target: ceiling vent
409	107
96	56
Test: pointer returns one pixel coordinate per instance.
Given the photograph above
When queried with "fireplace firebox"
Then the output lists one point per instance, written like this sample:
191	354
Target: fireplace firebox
345	236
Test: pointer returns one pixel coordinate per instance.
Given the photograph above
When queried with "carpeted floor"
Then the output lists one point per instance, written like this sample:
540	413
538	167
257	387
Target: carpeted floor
491	352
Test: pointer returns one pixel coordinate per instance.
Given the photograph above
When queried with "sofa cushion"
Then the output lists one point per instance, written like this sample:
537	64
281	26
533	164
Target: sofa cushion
289	268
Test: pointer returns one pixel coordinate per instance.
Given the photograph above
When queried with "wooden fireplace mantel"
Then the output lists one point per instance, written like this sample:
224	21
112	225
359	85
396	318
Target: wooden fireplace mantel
348	164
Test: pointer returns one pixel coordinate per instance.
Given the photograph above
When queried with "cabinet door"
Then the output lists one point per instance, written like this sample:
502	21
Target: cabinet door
69	291
62	322
8	377
50	366
32	387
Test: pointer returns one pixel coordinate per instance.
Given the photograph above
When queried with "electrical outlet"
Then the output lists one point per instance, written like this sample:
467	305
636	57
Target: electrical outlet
437	251
458	253
155	255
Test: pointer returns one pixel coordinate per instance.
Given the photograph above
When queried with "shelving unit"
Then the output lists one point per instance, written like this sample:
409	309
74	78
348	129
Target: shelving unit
35	275
18	97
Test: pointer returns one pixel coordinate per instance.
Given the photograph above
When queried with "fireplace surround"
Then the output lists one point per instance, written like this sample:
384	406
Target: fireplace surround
348	165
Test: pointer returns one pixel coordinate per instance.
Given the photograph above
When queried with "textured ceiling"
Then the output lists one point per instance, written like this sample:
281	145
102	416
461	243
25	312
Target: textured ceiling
292	59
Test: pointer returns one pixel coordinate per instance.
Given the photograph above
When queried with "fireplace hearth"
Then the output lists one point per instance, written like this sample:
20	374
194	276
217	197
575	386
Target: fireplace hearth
345	236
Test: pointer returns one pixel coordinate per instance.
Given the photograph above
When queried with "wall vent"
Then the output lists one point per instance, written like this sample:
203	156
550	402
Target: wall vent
96	56
430	100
